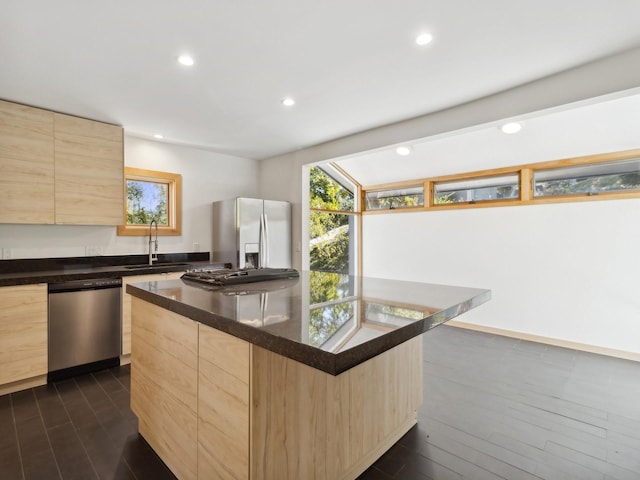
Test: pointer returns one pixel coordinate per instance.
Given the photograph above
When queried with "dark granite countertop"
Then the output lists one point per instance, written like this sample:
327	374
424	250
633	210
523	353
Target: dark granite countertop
55	270
331	322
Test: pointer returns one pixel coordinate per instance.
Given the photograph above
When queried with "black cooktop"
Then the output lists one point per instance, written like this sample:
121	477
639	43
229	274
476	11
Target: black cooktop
226	276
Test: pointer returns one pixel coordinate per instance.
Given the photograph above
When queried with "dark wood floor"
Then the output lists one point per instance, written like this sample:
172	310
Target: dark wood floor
495	408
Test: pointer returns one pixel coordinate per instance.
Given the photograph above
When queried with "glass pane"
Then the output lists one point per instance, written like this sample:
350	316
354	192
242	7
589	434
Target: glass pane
588	179
331	241
326	193
477	190
147	201
396	198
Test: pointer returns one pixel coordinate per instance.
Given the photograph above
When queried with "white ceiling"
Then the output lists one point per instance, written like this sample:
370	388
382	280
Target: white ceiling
350	64
603	126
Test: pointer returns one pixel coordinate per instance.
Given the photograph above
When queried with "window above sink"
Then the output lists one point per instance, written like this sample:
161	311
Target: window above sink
151	195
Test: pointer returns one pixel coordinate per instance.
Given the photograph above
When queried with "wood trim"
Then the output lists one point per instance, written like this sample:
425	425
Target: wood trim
346	175
358	211
174	181
526	187
396	210
428	194
359	248
340	212
395	185
583	347
525	173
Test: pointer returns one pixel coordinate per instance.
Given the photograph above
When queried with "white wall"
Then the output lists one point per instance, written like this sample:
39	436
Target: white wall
564	271
578	284
206	177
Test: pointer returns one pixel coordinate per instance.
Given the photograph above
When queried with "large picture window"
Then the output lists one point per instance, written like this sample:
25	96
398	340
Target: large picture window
332	221
151	195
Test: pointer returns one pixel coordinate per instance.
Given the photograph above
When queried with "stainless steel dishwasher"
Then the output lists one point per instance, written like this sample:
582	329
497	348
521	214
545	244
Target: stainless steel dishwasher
85	326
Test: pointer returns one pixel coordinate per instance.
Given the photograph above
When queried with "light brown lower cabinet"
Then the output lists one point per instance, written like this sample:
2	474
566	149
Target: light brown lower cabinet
23	337
164	384
126	302
249	413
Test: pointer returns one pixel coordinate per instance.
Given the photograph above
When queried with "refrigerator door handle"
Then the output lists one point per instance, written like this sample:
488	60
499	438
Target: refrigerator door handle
264	248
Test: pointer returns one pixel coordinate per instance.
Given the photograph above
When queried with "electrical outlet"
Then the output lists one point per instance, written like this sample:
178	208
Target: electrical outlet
7	253
196	247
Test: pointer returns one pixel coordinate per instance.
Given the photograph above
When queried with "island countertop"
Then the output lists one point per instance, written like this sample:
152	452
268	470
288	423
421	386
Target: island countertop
331	322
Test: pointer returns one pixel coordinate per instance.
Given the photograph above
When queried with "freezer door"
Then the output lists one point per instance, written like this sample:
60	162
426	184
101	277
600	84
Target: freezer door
277	219
249	218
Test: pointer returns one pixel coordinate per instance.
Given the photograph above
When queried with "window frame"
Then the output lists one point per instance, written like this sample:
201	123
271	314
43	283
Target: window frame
489	176
526	186
578	176
174	203
395	188
342	177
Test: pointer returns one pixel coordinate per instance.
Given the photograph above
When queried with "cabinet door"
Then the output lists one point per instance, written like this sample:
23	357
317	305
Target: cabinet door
126	302
26	163
223	405
89	173
23	332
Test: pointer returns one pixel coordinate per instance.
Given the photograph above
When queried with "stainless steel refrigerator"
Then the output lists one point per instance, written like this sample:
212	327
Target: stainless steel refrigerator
252	233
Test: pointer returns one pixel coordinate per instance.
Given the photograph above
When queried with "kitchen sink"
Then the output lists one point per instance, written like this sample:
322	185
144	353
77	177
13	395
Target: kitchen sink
155	266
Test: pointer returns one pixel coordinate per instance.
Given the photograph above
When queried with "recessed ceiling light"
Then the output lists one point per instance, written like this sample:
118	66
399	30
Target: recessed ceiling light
511	127
288	102
403	150
424	38
186	60
158	136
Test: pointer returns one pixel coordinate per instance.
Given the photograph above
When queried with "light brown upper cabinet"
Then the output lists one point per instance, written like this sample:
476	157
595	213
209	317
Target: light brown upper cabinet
27	164
89	172
59	169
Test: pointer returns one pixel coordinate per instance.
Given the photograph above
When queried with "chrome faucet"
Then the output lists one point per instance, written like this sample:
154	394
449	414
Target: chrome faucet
153	252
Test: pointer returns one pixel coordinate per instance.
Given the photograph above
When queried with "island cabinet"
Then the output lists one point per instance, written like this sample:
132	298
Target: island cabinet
224	373
23	337
164	385
250	413
26	163
301	378
126	302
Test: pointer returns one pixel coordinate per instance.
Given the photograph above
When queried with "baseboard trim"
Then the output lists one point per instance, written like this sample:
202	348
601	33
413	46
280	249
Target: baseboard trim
583	347
23	384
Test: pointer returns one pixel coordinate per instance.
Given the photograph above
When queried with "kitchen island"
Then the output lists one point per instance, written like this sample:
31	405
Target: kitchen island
306	378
